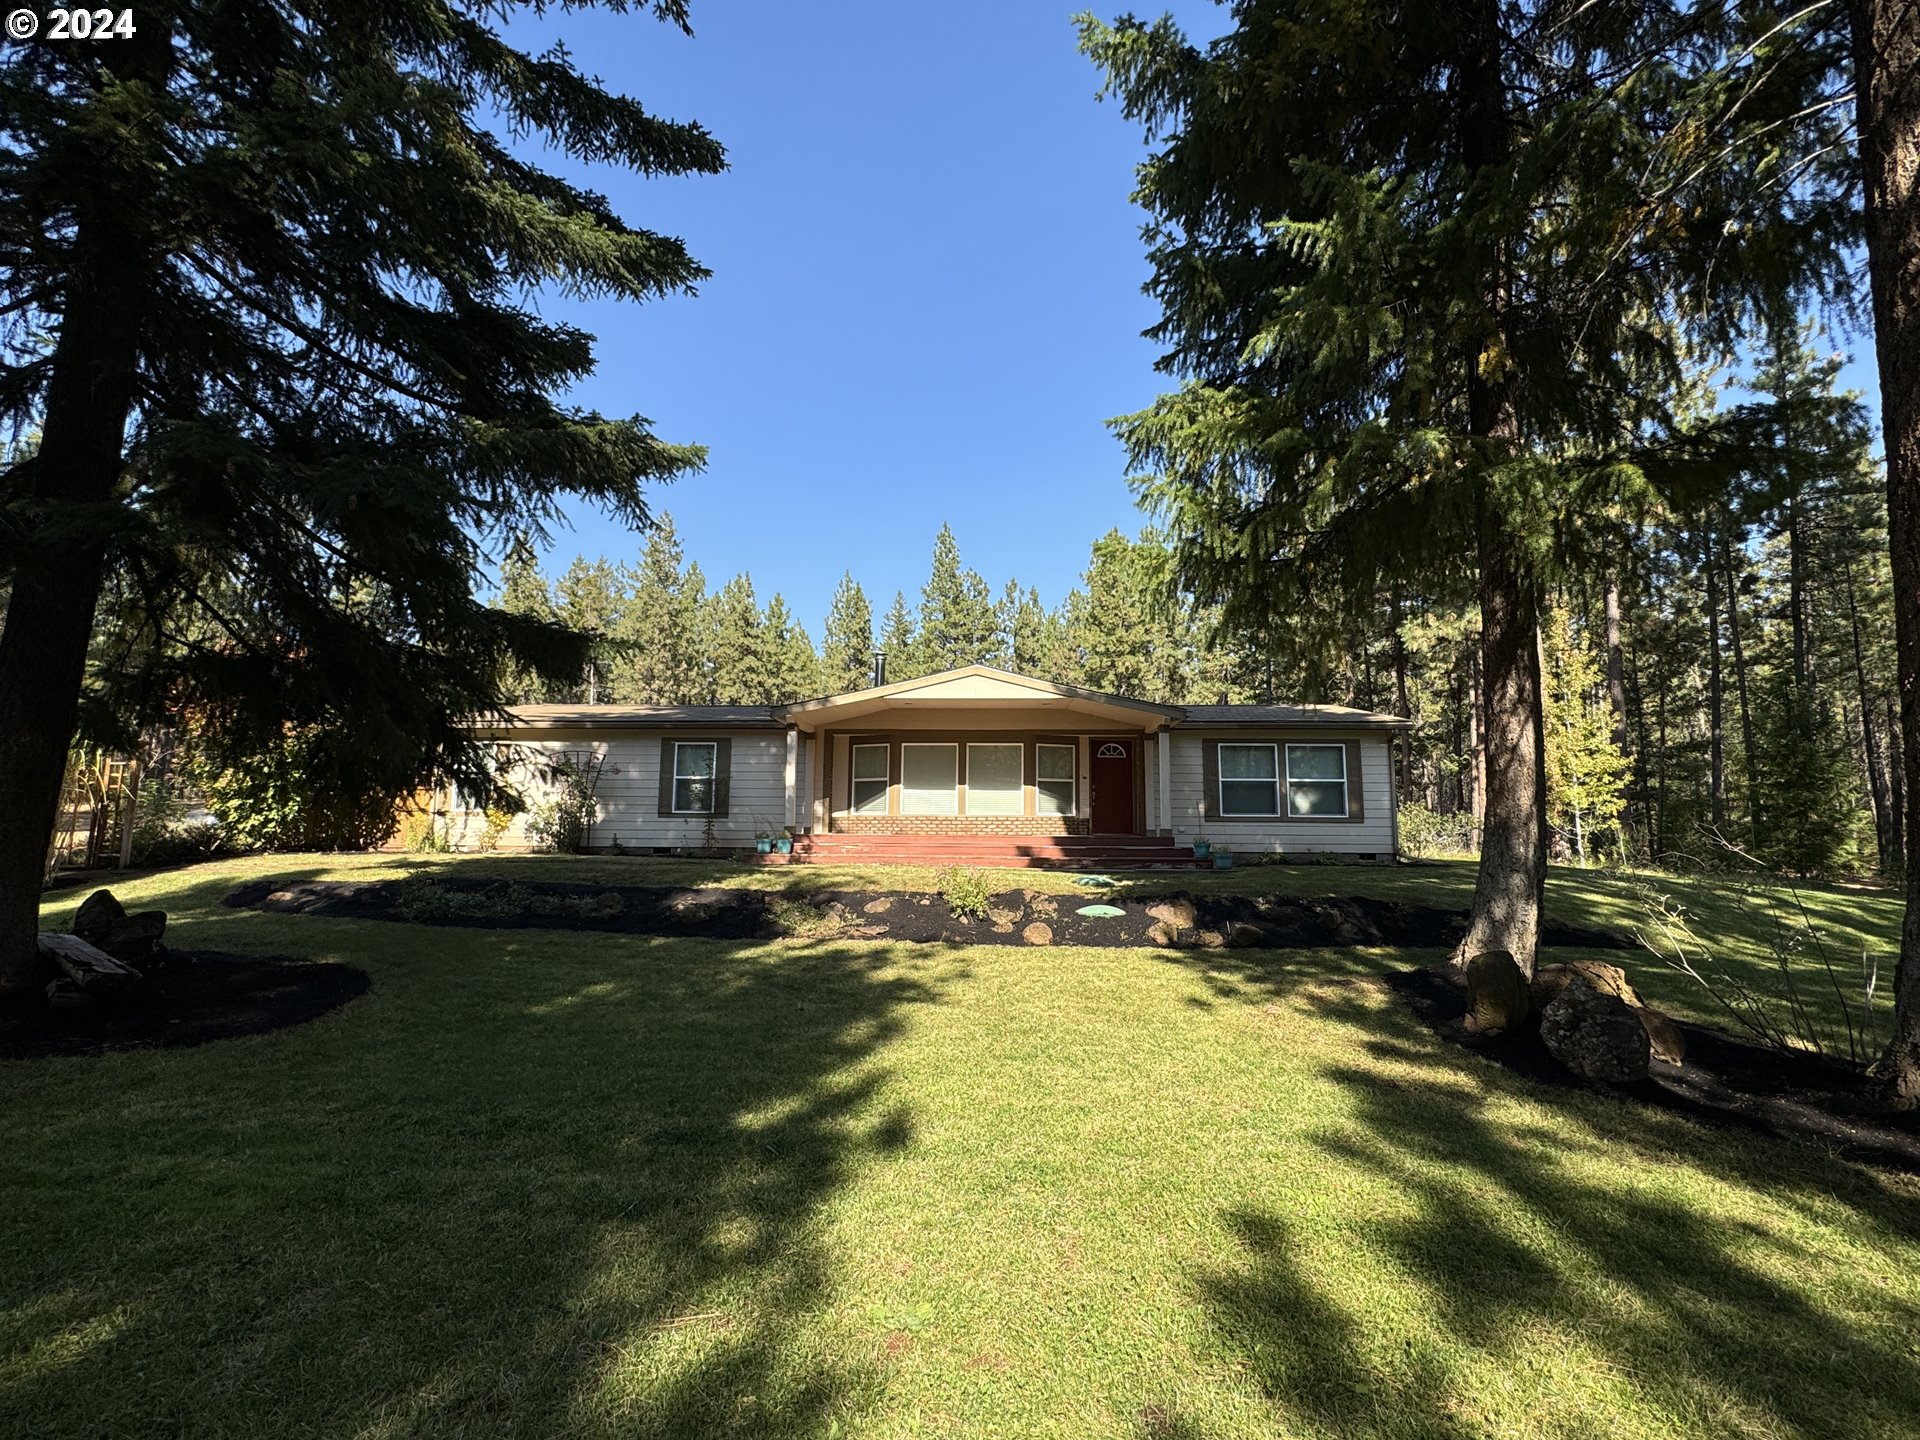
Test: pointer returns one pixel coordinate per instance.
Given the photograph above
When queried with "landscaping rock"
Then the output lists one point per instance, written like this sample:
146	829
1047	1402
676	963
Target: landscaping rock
1666	1039
1037	934
1596	1035
878	907
1498	990
1162	934
1208	939
1040	905
135	937
1550	980
1175	910
1241	934
98	914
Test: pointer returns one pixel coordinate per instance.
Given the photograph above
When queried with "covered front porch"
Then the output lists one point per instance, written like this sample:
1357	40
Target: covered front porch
984	754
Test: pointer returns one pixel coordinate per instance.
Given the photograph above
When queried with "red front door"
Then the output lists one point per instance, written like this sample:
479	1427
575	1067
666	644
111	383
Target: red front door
1113	787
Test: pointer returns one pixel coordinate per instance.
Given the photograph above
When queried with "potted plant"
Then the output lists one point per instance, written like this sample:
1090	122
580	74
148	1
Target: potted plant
1223	859
763	842
783	842
1201	845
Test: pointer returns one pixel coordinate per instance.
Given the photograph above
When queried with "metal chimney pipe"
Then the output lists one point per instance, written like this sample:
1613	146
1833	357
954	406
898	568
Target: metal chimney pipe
879	668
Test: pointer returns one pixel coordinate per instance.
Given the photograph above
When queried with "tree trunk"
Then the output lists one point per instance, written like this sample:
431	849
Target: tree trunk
1617	702
1716	694
1513	852
1740	690
1797	589
1886	48
1878	789
1403	741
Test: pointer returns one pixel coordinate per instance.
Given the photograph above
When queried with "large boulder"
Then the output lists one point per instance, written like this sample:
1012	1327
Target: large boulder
98	914
1550	980
1666	1039
1037	934
1596	1035
1497	988
1242	934
1175	910
135	937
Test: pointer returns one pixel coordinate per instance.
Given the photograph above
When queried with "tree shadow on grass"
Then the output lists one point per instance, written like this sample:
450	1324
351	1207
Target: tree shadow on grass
533	1185
1518	1251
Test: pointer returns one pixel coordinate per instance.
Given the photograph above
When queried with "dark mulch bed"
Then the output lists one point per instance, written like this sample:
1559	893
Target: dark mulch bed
1266	921
186	997
1724	1081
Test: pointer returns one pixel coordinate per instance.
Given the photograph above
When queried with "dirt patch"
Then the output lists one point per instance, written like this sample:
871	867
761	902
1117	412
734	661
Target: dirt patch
1724	1081
1014	916
187	997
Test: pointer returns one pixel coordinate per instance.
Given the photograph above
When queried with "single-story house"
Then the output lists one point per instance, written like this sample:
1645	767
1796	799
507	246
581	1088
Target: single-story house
975	752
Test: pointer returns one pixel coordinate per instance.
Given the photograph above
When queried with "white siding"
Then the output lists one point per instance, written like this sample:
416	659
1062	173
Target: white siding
629	791
1371	835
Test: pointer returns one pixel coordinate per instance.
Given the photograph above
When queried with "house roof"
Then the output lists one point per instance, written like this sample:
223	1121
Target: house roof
972	687
642	717
1220	716
982	687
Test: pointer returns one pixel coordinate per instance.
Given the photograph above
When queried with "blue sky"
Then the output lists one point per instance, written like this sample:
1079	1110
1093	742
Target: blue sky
925	299
926	292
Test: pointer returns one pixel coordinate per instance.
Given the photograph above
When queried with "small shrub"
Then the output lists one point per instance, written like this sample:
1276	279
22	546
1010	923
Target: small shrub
422	834
803	921
497	819
1425	832
1803	962
965	892
560	821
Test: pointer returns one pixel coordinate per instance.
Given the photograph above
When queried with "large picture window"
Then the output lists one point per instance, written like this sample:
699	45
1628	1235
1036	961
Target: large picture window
1053	767
870	779
694	764
994	779
929	779
1317	781
1249	780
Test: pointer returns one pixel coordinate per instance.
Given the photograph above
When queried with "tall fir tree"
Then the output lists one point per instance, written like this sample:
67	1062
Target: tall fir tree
657	660
589	598
789	665
958	625
1423	275
523	591
735	644
899	641
266	284
1586	772
846	644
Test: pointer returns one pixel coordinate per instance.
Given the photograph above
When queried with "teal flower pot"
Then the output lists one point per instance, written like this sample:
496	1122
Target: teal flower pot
1223	860
1201	848
765	847
784	844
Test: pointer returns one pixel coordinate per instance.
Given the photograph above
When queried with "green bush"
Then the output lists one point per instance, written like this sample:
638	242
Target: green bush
559	822
1427	832
280	801
965	892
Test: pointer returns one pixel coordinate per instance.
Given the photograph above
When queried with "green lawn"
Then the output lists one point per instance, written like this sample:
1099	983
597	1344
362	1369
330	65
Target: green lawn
544	1184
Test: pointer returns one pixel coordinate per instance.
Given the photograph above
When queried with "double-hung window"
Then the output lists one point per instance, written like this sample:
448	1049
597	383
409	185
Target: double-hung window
994	779
870	779
1053	767
694	766
1249	779
1317	782
929	779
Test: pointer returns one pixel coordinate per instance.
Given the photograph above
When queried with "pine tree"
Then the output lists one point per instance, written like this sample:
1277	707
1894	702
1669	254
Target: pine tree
1813	806
265	283
790	667
1586	772
1418	271
900	641
1111	618
1029	631
736	646
846	645
523	591
590	600
957	621
657	663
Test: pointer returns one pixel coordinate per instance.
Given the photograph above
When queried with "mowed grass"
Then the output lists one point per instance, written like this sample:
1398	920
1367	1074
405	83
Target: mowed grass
539	1183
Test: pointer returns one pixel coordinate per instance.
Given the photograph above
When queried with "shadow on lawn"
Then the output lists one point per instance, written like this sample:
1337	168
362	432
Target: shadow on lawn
1690	1316
552	1184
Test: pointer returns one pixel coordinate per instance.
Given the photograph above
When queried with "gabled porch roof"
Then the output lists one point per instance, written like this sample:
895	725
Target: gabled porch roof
983	688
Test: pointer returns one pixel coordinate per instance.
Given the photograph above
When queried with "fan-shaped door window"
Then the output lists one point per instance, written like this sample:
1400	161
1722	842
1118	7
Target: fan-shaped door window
1112	751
